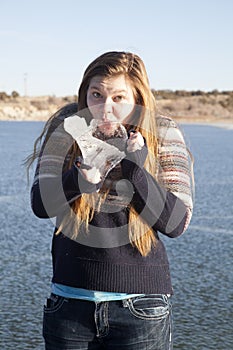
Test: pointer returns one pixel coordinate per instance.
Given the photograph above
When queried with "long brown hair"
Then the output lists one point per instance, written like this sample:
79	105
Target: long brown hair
108	65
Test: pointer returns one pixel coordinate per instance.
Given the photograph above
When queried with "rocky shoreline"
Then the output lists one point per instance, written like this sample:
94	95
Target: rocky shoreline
183	106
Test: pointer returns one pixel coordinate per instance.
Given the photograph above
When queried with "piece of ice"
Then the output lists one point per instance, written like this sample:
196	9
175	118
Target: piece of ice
105	153
75	126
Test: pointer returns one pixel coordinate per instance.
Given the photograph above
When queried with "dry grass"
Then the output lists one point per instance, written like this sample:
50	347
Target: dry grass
183	106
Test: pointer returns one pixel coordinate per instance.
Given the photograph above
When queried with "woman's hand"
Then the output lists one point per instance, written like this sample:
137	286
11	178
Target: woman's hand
136	154
91	175
135	141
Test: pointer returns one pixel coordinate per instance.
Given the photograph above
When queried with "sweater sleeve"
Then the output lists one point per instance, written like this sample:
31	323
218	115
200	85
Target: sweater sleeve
51	195
165	203
160	208
175	164
53	189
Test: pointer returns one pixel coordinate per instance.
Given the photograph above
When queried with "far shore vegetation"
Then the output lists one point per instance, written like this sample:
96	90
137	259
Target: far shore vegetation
183	105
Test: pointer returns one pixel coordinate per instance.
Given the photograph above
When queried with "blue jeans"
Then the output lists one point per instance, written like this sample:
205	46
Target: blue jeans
133	324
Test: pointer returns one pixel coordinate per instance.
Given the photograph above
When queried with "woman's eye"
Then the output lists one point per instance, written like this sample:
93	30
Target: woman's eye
118	98
96	94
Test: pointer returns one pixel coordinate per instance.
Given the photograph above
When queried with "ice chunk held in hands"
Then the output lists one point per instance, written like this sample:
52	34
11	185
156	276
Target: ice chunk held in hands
99	149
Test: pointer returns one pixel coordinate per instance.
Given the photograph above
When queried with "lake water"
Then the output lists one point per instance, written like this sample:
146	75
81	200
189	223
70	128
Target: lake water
201	259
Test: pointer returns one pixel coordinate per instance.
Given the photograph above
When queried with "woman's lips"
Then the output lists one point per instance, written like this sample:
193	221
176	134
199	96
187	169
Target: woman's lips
107	127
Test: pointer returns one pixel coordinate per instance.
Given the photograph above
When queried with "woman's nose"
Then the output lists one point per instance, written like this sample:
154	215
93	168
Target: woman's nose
107	107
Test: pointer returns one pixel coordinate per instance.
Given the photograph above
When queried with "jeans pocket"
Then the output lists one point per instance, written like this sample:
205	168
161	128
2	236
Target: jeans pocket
153	307
54	303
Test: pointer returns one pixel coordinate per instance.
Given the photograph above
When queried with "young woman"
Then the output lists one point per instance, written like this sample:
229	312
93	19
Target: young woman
111	284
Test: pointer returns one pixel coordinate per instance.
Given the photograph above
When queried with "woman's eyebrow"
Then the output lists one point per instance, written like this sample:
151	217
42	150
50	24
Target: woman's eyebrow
119	91
95	87
113	91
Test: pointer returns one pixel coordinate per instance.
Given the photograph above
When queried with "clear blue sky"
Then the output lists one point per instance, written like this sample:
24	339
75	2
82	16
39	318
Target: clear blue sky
48	43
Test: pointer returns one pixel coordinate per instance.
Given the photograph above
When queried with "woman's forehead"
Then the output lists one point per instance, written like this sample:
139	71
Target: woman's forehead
118	82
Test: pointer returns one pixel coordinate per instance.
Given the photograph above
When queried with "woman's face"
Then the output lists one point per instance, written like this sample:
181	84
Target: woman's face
110	100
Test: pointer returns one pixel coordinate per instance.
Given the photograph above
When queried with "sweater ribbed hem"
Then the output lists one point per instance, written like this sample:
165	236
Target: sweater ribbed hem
121	278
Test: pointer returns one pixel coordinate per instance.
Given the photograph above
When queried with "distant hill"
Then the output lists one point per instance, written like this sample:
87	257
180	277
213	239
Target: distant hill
184	106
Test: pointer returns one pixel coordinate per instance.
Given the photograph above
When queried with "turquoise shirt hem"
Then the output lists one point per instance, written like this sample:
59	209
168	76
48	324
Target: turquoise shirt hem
90	295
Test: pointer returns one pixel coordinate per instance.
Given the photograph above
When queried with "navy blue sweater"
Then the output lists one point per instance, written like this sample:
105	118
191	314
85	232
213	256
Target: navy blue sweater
103	259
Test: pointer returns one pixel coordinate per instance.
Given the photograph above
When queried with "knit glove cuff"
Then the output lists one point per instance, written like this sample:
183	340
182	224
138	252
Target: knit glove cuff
133	163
